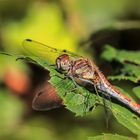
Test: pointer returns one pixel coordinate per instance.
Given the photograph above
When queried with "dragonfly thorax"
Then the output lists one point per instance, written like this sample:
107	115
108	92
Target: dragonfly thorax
63	62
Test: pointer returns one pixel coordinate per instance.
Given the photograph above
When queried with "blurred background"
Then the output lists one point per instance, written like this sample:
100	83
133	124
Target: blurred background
80	26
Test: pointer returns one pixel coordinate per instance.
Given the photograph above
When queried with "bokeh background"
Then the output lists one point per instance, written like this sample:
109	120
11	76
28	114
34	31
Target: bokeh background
80	26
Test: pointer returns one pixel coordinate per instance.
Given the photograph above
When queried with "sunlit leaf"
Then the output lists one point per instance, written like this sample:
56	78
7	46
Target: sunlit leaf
110	137
72	98
127	118
79	101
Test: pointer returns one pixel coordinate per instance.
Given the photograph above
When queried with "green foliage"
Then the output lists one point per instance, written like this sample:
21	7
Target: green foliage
80	100
121	56
130	61
12	125
136	90
129	70
110	137
77	100
61	24
11	110
6	64
126	118
30	131
109	53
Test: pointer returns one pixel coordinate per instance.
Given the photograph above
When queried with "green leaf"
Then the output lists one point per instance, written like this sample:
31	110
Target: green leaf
121	56
123	77
128	72
110	137
81	101
78	100
130	61
136	90
109	53
133	70
126	118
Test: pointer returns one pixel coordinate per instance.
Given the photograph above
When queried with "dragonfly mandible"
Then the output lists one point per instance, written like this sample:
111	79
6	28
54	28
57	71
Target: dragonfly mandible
80	70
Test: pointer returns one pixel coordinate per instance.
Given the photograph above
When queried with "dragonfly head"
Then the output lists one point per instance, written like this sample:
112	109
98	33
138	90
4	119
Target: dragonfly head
63	62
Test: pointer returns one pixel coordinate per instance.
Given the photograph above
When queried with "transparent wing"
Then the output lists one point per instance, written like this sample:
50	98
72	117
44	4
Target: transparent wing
43	51
46	99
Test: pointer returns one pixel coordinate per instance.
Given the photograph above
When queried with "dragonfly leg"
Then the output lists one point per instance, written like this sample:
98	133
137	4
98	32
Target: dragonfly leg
107	108
98	96
110	102
76	86
71	90
63	78
86	103
71	77
86	100
108	98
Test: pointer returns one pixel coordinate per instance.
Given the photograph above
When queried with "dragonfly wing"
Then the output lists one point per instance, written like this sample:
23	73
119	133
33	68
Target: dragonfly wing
43	51
40	50
46	99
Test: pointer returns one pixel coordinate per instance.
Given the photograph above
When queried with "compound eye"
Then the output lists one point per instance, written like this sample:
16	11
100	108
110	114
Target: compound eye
65	65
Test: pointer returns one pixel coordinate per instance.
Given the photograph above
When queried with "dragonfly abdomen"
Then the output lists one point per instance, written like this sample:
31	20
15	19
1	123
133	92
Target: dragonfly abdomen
109	90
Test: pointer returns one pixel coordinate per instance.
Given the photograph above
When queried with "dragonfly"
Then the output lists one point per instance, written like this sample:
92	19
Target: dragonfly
81	71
